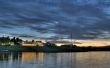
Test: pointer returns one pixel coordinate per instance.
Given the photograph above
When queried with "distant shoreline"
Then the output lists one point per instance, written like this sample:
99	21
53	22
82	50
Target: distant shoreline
51	49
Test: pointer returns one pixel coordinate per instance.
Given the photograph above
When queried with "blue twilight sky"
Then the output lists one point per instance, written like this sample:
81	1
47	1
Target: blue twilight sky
55	18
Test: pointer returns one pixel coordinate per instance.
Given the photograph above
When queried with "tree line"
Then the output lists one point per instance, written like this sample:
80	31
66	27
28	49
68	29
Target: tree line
10	41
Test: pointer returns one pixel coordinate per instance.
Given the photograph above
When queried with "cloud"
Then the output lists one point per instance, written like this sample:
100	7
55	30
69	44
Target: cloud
82	18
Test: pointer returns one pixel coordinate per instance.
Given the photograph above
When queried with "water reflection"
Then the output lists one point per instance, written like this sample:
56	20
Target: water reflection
54	60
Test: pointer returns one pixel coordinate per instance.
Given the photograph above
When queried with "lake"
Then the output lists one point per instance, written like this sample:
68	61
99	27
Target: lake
54	60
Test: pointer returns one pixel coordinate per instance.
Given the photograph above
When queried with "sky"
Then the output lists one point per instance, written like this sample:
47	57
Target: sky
55	18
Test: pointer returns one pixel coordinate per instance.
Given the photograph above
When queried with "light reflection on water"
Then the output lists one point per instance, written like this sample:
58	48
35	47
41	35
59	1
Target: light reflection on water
55	60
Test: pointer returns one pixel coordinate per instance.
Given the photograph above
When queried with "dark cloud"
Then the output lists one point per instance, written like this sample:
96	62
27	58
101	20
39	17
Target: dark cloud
21	35
82	18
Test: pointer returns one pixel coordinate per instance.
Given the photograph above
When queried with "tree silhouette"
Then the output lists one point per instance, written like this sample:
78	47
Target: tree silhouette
7	41
16	41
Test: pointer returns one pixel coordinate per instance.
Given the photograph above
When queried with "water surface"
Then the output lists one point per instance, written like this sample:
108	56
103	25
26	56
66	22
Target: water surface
55	60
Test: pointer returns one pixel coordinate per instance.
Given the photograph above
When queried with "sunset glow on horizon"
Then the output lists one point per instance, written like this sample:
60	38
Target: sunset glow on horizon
86	43
94	43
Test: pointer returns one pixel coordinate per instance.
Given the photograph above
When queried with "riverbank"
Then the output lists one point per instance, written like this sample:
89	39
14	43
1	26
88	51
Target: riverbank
38	49
51	49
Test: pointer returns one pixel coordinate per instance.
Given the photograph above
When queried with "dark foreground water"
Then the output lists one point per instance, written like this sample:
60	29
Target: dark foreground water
55	60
